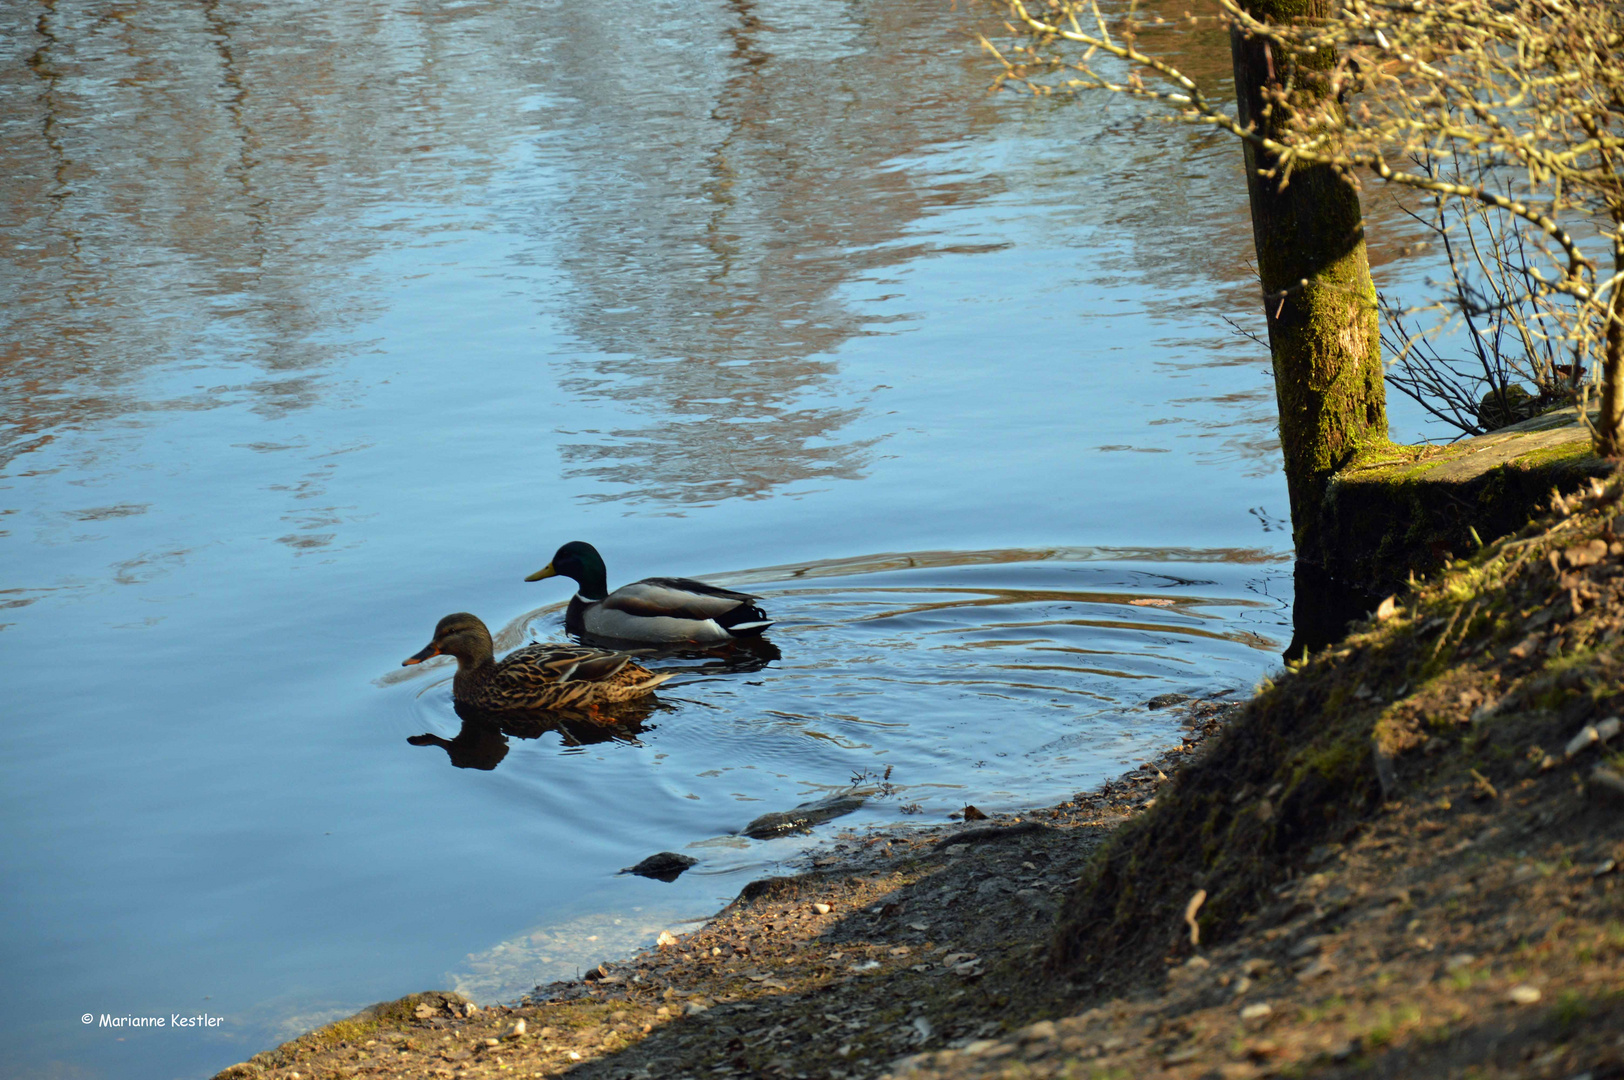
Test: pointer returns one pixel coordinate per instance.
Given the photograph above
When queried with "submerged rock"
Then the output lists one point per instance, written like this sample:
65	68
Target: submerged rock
803	817
666	866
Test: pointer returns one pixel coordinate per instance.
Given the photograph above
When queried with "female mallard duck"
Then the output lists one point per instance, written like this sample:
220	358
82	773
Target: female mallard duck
536	676
660	610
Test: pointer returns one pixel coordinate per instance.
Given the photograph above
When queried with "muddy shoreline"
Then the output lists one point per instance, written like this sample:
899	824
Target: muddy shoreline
1400	858
868	882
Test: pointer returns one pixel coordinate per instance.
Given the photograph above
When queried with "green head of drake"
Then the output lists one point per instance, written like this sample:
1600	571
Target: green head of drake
581	561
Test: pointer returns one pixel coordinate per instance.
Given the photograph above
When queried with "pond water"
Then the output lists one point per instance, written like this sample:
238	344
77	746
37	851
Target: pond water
325	320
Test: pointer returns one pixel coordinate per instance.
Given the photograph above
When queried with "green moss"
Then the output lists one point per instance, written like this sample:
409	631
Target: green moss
1379	455
1575	453
1466	978
1308	739
389	1014
1382	465
1570	1008
1389	1024
1390	515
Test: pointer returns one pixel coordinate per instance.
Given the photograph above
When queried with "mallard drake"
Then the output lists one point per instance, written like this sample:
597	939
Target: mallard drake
660	610
549	676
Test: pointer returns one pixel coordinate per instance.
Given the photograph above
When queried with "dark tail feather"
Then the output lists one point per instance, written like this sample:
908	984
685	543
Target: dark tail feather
746	620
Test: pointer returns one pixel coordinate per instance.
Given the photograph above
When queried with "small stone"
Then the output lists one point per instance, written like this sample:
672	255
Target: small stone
516	1030
1588	736
1604	783
1459	960
1604	868
1042	1031
973	814
1318	969
1162	701
1308	946
1608	729
549	1032
1586	554
1261	1049
822	909
1198	963
493	1042
1525	648
666	939
693	1008
1256	1012
922	1028
424	1010
1523	994
666	866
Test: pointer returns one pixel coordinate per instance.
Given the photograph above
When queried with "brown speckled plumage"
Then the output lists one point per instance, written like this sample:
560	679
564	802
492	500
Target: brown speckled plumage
537	676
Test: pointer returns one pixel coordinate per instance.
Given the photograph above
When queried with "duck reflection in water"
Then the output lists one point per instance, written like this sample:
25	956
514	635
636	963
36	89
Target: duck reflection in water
730	658
482	742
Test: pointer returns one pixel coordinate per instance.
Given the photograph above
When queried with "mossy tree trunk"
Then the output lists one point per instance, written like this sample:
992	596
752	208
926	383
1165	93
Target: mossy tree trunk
1609	434
1318	296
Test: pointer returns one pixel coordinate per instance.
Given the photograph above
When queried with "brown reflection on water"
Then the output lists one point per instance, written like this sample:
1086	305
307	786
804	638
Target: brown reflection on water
1192	240
707	271
482	740
188	184
881	562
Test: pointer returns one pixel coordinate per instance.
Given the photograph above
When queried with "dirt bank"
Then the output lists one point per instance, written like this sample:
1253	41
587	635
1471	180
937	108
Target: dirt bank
1387	863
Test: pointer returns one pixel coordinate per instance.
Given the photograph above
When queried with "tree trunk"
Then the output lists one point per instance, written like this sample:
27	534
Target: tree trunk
1321	305
1609	433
